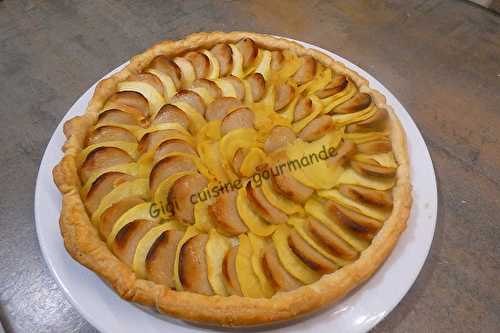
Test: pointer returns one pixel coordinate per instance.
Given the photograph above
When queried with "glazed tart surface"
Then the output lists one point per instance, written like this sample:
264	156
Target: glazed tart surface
234	179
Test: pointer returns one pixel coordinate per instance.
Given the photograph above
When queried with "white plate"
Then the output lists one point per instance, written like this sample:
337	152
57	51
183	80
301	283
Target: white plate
359	312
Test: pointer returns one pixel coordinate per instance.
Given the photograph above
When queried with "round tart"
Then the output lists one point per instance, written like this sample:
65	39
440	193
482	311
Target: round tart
234	179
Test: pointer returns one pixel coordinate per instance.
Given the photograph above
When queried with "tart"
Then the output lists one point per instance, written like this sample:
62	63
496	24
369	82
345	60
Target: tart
233	179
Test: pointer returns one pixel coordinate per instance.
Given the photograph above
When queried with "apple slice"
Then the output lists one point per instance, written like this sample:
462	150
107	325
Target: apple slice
307	70
221	107
223	54
215	251
240	118
352	219
338	84
213	90
230	274
128	101
367	195
335	245
193	266
109	133
102	186
111	214
188	74
225	214
252	220
280	278
181	196
263	207
248	50
308	254
167	167
284	95
126	240
171	114
291	262
303	108
366	169
200	62
249	282
359	102
257	86
317	128
258	245
279	137
168	67
103	158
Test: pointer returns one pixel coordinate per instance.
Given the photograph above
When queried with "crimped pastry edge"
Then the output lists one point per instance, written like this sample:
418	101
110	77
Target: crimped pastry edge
82	241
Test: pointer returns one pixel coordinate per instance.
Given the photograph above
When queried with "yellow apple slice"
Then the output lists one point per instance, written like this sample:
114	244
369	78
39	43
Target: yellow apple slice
373	212
290	66
290	261
190	233
200	166
333	101
188	75
197	121
257	243
211	156
253	158
280	202
249	282
317	210
202	219
129	147
227	87
382	159
155	100
359	138
216	249
299	224
209	132
145	244
317	108
129	169
350	118
321	80
141	211
351	177
169	89
204	94
214	65
141	132
160	196
136	187
234	140
252	220
237	61
264	67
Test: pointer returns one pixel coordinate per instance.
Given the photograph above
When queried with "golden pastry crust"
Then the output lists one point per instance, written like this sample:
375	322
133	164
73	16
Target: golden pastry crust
82	240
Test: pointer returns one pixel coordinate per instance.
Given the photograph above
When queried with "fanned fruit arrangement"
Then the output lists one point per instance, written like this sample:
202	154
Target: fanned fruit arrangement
234	179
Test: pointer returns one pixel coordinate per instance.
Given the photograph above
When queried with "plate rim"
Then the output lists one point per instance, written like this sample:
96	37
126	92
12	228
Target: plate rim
373	82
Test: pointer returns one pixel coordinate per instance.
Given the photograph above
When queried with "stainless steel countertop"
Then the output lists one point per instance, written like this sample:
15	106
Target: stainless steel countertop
440	58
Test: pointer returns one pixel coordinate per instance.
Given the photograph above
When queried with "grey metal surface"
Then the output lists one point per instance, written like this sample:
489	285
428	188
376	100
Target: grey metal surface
440	58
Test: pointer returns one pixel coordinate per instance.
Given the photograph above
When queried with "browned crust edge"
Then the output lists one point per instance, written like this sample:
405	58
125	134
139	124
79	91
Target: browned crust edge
83	243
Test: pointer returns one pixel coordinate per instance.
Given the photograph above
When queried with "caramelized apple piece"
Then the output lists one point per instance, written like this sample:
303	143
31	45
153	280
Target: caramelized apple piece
113	213
167	66
359	102
150	79
366	169
338	84
291	188
354	220
303	108
240	118
284	95
224	55
257	86
200	63
238	86
131	99
248	50
103	158
280	278
172	146
377	122
102	186
212	88
331	241
171	114
380	115
225	214
153	139
308	254
180	196
375	147
279	137
229	272
317	128
277	60
193	266
238	158
263	207
161	258
191	98
115	116
221	107
367	195
346	149
167	167
110	133
307	71
128	237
